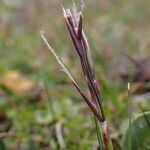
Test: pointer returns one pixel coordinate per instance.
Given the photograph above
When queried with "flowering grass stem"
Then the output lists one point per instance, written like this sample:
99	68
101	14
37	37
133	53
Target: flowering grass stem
74	23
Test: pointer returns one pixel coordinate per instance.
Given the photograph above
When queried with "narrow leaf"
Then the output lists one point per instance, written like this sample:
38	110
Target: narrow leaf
140	133
89	102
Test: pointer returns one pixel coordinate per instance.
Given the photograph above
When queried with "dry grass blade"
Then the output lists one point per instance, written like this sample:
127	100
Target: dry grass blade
89	102
59	135
74	22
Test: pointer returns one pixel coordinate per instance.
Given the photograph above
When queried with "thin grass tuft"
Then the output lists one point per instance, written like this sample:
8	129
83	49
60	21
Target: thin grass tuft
74	22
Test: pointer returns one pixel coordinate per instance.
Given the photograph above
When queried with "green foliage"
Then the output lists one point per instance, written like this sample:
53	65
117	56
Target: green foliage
140	133
2	145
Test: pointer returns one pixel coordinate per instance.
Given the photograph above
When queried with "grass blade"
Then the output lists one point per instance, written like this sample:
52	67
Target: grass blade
130	117
99	134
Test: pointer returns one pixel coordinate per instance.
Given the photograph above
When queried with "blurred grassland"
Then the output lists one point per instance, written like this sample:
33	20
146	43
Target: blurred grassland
112	27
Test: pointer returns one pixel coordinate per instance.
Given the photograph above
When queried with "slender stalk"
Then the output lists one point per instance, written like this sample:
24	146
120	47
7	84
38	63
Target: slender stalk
106	136
89	102
130	117
74	22
99	134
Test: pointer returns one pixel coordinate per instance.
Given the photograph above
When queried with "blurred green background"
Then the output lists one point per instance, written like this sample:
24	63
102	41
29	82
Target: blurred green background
37	101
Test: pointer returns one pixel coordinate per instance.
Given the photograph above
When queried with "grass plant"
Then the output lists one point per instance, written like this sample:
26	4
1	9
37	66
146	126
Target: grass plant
74	21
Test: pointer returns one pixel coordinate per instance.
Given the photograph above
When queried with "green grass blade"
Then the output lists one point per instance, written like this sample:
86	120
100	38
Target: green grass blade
2	145
99	134
140	133
130	117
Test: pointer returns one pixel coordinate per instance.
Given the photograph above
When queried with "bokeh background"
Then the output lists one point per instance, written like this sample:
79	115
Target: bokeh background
38	105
